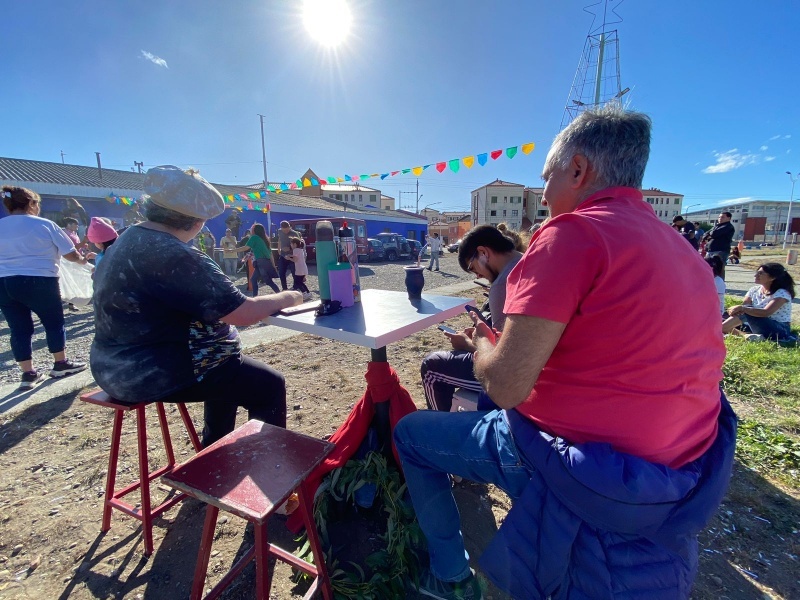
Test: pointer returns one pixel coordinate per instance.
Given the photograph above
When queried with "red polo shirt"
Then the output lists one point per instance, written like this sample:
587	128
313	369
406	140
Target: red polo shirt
639	363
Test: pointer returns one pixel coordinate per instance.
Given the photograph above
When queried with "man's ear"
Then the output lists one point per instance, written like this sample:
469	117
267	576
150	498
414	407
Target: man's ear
579	171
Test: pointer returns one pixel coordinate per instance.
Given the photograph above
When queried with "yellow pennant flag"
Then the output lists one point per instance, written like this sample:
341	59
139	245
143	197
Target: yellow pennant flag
339	179
528	148
278	190
306	182
468	161
417	171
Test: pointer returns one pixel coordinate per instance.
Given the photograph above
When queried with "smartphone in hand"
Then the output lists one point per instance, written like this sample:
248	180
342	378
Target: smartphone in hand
474	309
446	329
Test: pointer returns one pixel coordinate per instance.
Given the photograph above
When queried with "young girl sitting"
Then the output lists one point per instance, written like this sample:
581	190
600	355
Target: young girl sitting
715	262
298	257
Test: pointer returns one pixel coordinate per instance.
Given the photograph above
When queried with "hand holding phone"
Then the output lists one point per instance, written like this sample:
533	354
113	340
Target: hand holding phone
470	308
447	329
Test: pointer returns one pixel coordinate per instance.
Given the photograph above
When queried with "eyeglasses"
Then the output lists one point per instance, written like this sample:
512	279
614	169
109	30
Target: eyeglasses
469	264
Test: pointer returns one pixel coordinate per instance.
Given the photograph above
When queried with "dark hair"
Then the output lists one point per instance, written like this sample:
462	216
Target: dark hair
298	240
715	262
259	231
482	235
107	244
727	214
285	224
18	198
175	220
69	221
782	280
678	219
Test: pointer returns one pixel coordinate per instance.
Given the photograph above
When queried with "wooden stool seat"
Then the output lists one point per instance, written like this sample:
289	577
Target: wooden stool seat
114	498
250	473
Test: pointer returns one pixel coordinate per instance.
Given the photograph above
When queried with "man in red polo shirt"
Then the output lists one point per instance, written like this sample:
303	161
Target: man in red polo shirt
593	352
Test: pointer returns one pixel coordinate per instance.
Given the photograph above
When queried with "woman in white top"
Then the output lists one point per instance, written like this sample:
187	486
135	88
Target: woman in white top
767	307
716	264
29	259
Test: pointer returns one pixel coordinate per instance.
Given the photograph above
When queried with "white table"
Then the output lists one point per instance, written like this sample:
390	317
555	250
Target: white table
382	317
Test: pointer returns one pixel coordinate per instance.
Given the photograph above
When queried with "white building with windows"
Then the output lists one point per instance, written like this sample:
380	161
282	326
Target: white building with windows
353	193
498	202
755	220
665	204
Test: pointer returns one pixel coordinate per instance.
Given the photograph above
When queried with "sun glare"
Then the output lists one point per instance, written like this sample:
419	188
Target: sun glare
327	21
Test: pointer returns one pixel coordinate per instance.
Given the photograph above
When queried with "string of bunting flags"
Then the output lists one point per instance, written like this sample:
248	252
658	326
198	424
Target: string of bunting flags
453	164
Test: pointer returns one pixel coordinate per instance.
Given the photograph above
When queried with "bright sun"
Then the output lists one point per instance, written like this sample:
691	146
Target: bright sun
328	21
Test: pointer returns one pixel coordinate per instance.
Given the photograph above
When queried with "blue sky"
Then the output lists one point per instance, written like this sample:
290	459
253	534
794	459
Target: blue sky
415	82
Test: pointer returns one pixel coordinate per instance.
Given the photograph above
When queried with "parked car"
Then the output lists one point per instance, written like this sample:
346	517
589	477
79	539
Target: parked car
427	251
454	246
415	246
395	245
375	250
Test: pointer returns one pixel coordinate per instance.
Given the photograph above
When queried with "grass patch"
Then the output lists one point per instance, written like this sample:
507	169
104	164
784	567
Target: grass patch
769	450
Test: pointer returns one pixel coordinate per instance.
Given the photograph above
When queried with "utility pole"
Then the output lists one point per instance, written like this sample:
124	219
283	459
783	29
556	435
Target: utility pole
138	165
62	157
99	166
264	161
417	196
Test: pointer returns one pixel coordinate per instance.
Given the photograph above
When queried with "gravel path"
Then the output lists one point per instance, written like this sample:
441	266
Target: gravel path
80	324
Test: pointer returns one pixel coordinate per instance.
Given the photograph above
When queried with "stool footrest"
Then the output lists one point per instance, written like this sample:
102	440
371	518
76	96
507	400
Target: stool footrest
136	513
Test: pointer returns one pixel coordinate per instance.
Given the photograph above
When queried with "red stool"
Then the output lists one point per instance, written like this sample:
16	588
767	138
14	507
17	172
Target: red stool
250	473
113	498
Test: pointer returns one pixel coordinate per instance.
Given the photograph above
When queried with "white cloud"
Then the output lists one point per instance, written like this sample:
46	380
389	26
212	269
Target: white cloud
764	148
769	158
733	201
786	137
774	137
156	60
730	160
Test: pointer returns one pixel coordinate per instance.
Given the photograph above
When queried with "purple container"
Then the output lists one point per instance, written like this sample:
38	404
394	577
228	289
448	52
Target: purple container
341	283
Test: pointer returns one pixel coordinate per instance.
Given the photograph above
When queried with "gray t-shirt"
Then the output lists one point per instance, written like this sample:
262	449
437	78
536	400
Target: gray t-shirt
283	240
497	294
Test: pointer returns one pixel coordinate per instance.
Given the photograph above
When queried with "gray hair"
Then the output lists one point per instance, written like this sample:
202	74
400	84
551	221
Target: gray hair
158	214
616	143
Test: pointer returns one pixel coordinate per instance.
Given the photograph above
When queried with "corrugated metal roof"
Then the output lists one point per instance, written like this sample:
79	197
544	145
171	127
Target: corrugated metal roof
17	169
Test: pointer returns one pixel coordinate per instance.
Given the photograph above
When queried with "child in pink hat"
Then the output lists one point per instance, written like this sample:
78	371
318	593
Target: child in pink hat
102	235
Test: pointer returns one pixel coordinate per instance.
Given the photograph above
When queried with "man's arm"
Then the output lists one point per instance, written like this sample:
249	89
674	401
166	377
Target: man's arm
252	310
509	369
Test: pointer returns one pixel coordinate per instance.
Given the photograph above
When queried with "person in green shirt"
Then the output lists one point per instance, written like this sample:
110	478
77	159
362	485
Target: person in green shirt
263	265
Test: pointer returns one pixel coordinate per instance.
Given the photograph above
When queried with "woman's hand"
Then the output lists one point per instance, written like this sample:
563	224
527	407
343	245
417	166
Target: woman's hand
737	310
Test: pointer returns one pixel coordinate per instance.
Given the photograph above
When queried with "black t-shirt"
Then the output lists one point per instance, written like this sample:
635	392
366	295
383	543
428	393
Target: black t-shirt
157	304
721	237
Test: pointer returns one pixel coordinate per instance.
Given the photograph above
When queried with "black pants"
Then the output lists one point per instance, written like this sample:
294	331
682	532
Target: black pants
284	264
22	295
300	283
244	382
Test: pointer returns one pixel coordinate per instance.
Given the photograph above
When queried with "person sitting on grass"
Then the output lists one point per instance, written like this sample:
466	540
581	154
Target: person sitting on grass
767	306
735	256
715	262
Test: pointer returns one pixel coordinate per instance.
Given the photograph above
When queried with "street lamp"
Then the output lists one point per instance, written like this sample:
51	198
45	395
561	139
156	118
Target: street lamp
427	205
418	199
686	209
789	216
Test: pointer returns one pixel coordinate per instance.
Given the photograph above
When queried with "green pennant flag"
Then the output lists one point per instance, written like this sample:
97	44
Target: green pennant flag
455	165
511	152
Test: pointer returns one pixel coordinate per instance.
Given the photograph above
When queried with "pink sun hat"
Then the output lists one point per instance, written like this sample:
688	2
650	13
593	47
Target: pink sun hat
100	231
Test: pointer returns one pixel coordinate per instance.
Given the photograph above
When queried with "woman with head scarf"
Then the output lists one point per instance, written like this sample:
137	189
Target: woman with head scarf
166	315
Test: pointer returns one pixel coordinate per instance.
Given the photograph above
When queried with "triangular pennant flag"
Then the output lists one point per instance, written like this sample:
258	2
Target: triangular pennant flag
284	187
528	148
495	154
441	166
314	181
252	195
404	171
271	188
417	171
278	190
511	152
455	165
468	161
482	159
306	182
292	186
426	166
299	184
374	175
250	205
363	177
339	180
384	176
239	208
269	207
393	173
348	178
331	179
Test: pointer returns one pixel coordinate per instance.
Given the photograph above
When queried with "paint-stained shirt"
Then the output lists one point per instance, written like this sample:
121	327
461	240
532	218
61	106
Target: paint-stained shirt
158	304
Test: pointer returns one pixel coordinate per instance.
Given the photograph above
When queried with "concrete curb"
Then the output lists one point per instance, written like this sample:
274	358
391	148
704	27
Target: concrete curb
12	399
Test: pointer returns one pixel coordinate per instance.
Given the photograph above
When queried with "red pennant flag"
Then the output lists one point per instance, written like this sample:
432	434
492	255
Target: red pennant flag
395	173
441	166
495	154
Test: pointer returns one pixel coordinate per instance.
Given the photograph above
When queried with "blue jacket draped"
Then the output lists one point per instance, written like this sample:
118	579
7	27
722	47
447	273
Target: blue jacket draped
594	523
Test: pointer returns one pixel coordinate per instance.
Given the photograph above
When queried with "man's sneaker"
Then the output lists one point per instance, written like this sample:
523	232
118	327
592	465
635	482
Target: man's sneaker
66	367
30	379
467	589
307	296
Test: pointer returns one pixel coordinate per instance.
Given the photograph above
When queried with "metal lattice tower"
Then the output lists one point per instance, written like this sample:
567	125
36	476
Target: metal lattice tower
597	79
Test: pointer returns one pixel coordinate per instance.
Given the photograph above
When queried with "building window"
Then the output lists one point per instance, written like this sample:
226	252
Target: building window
372	197
514	213
360	197
493	213
494	199
677	200
504	212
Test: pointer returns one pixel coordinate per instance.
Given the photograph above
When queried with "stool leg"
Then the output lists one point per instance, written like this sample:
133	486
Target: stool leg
205	552
162	419
305	508
187	421
144	479
111	478
262	561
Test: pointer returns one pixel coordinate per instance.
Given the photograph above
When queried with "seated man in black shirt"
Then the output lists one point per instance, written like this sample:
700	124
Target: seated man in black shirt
166	315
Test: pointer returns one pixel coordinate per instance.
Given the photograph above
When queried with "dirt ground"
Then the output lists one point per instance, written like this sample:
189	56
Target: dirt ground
53	458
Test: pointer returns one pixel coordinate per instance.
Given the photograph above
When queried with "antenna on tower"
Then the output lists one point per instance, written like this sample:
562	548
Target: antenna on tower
597	79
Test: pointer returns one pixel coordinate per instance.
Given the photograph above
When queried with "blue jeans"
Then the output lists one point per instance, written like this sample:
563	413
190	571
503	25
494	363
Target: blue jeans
229	266
769	328
284	265
22	295
475	445
434	258
263	269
